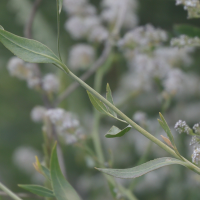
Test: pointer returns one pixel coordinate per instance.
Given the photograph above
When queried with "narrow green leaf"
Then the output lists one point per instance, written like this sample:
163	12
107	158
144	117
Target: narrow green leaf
189	30
97	104
1	27
46	172
167	130
28	50
38	190
116	132
62	189
142	169
110	99
60	4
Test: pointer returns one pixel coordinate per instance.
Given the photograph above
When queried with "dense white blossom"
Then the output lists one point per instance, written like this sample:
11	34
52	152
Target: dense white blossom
192	6
114	9
20	69
50	83
55	115
98	34
143	37
196	156
80	27
24	158
182	127
184	40
38	113
81	56
78	7
196	128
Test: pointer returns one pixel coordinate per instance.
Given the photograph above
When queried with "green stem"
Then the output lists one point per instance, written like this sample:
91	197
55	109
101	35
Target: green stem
132	123
10	193
58	30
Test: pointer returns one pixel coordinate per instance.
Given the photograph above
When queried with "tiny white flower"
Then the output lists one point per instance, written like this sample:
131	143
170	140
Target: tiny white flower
38	113
50	83
81	56
55	115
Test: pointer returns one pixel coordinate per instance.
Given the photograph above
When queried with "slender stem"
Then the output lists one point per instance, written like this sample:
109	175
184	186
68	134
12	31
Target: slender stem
10	193
132	123
58	30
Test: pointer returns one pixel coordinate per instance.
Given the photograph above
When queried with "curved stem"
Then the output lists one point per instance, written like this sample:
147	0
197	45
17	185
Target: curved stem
132	123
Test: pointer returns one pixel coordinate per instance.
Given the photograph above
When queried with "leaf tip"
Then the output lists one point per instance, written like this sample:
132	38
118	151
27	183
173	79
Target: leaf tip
1	27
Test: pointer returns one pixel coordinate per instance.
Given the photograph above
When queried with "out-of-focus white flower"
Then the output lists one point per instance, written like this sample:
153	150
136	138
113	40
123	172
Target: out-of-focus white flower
140	117
20	69
78	7
24	158
196	128
98	34
50	83
80	27
184	40
196	156
174	81
143	37
81	56
55	115
70	139
192	6
182	127
34	82
113	8
38	113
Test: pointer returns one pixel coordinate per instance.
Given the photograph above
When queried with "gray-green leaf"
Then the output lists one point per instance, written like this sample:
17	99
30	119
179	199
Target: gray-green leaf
142	169
97	103
110	99
62	189
38	190
46	172
167	130
60	3
28	50
116	132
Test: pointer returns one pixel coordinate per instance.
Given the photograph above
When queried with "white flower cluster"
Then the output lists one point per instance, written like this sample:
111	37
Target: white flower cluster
184	40
196	156
196	128
24	71
67	125
29	72
192	6
83	21
81	56
38	113
143	37
114	9
182	127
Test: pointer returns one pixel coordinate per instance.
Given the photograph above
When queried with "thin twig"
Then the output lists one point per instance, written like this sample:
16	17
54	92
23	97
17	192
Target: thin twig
29	24
100	61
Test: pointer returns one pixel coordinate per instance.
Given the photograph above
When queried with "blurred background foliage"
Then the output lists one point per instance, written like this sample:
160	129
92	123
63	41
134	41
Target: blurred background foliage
17	100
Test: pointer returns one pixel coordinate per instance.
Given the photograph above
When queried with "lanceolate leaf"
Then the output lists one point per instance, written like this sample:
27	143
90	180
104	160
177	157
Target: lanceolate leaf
166	128
142	169
189	30
97	103
110	99
46	172
38	190
28	50
62	189
60	3
116	132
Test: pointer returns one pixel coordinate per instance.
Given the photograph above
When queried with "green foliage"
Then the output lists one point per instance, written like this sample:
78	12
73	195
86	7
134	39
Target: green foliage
38	190
167	130
116	132
28	50
189	30
61	188
142	169
60	3
1	27
110	99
